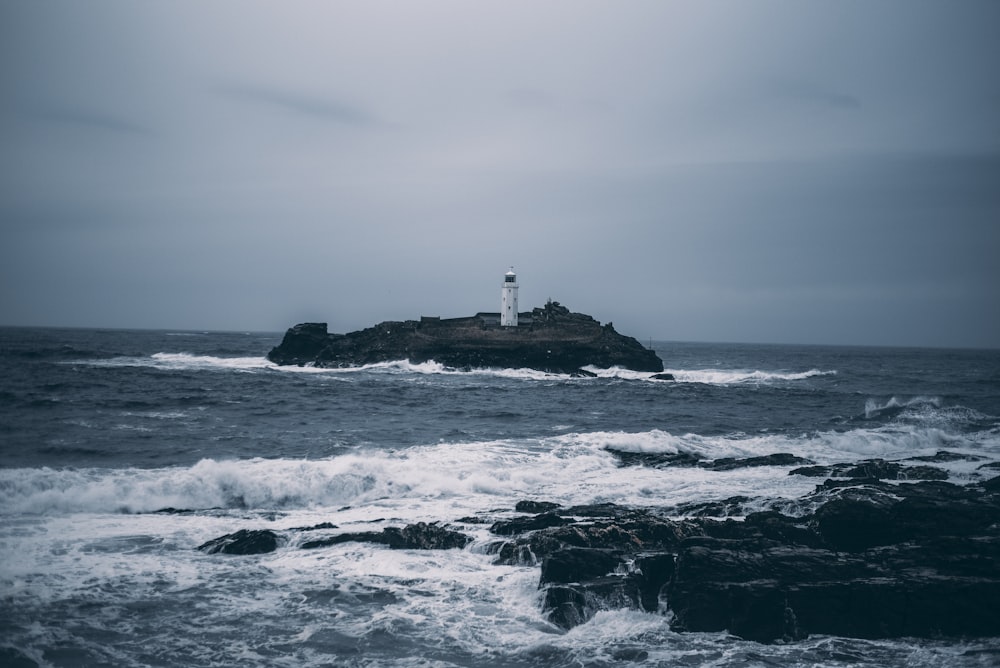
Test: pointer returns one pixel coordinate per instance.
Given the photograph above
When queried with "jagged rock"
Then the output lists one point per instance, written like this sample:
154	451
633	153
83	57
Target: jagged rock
874	560
652	572
551	339
303	343
244	541
535	506
571	605
942	456
874	469
734	505
732	463
657	460
419	536
578	564
886	561
522	524
784	593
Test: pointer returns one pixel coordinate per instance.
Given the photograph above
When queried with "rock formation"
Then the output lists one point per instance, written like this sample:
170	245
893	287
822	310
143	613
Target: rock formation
550	339
872	560
857	557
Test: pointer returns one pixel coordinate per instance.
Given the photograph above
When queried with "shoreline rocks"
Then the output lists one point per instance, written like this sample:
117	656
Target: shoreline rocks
419	536
856	557
874	560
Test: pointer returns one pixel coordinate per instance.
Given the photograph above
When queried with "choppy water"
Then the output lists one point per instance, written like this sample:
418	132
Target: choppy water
101	429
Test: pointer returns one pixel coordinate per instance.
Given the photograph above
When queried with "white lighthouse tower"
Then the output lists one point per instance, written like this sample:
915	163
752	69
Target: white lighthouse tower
508	300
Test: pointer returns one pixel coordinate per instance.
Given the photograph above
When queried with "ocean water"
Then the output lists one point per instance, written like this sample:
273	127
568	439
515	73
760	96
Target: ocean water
101	431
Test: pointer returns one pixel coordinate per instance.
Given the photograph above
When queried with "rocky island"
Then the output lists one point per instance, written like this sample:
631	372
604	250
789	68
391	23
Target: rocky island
550	339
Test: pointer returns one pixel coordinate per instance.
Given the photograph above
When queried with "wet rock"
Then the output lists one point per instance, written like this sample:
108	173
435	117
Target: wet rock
732	463
244	541
577	564
316	527
657	460
419	536
942	456
783	593
920	559
301	344
734	505
851	525
651	573
873	469
536	507
532	523
662	376
875	559
570	605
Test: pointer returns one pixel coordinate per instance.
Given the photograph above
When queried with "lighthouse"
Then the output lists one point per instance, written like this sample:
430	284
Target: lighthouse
508	300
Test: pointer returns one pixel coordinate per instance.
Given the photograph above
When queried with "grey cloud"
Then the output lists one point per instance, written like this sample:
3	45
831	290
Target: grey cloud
80	117
812	93
721	179
301	103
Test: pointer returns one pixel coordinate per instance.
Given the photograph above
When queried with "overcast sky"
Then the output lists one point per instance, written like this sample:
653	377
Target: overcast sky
813	172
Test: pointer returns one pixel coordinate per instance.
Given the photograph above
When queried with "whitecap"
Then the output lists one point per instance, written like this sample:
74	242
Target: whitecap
742	376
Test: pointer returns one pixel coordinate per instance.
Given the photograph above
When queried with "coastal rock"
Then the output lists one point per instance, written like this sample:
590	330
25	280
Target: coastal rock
419	536
661	460
875	469
657	460
302	343
733	463
244	541
576	564
567	606
522	524
874	560
528	506
550	339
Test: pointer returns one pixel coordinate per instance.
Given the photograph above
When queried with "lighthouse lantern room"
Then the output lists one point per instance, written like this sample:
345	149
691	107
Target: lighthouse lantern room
508	300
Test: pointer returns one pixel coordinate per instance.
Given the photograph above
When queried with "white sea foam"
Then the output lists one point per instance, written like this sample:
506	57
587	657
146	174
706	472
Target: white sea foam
742	376
874	407
451	479
185	361
435	368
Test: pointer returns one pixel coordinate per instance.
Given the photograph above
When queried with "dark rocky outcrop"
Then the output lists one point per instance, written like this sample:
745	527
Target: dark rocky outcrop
873	560
552	339
874	469
655	460
528	506
661	460
733	463
419	536
244	541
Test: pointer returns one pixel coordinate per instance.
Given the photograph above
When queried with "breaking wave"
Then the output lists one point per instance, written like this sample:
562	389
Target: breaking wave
448	478
742	376
874	408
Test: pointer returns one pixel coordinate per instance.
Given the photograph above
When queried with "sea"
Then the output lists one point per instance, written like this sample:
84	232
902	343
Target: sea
123	451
